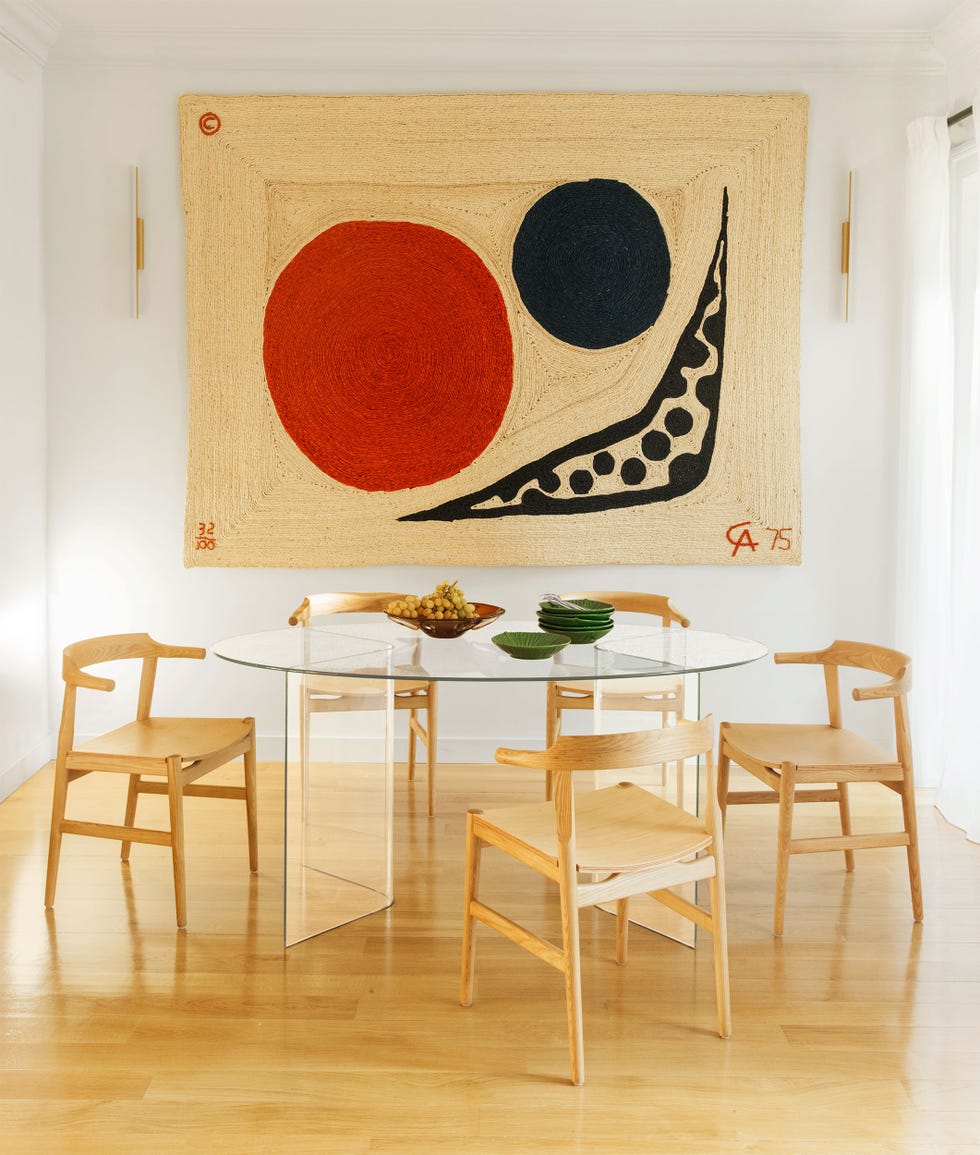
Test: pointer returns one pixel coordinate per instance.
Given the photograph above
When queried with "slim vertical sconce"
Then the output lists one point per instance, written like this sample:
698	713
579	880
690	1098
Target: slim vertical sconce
845	247
139	237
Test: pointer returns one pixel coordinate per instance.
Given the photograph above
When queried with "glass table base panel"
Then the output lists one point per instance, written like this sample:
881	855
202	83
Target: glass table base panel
338	819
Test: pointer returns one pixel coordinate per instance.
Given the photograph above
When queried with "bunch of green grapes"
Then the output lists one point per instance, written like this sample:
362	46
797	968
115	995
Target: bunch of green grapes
447	601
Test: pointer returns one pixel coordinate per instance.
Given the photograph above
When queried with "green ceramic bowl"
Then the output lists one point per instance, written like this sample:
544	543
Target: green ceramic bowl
530	646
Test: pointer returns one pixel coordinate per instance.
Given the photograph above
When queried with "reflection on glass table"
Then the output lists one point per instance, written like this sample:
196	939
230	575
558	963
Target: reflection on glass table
338	797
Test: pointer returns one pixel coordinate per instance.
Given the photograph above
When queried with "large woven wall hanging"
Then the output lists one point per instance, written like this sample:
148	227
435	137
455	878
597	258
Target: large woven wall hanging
493	329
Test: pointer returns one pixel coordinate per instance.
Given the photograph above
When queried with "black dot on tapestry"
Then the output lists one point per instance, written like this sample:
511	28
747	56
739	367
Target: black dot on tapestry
580	481
678	422
603	463
591	263
633	471
655	445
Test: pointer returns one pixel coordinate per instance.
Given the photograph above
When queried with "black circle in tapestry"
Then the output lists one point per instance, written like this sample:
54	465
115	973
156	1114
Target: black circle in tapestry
591	263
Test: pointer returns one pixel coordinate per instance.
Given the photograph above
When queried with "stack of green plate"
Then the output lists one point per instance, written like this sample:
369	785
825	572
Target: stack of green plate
587	622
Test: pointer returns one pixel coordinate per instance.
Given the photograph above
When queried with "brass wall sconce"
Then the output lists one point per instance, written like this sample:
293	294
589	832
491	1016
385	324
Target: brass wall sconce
138	249
845	248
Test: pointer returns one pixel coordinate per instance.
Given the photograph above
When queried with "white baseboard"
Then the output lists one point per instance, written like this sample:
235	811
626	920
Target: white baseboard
15	776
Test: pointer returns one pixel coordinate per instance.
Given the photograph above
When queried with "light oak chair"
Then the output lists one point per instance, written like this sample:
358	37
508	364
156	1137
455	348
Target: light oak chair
160	756
827	759
663	696
636	842
325	694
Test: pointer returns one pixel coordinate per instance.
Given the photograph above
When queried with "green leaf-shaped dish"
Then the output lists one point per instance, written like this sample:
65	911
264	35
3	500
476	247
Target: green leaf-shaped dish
530	645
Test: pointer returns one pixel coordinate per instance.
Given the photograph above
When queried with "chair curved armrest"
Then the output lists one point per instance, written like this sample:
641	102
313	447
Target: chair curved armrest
534	759
682	619
300	615
88	681
181	651
617	751
808	657
74	675
900	684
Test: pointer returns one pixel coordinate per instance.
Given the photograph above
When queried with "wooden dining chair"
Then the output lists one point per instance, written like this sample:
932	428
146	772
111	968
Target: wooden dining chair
824	760
658	695
638	844
159	755
321	694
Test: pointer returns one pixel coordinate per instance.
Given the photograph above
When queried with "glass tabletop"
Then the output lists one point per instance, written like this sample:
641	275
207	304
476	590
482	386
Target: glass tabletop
386	650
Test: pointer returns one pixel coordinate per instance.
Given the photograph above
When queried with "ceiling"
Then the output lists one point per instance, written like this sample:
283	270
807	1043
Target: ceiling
764	17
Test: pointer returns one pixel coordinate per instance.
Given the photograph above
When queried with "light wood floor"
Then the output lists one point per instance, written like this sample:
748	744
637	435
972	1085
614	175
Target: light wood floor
858	1033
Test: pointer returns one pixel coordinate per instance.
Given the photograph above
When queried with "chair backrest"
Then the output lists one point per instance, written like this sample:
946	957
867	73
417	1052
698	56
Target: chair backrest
77	657
317	605
629	602
864	656
640	748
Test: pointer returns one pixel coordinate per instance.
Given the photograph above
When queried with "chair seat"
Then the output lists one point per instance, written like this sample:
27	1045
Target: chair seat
618	828
668	685
806	746
162	738
357	687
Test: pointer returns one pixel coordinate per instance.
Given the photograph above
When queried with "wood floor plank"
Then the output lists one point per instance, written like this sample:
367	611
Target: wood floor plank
857	1033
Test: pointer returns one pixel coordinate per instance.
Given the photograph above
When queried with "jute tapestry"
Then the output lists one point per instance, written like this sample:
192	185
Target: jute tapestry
550	329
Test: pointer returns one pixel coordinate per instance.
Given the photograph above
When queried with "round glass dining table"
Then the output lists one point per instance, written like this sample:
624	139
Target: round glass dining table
338	785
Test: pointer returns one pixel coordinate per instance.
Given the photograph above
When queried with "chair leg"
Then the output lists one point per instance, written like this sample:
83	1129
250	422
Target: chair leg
678	767
411	745
722	774
678	716
175	796
844	805
58	806
251	809
572	968
911	828
552	728
471	884
132	794
719	944
622	930
787	789
431	743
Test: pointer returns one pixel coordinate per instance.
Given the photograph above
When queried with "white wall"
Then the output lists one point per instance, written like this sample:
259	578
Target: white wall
959	40
118	387
24	726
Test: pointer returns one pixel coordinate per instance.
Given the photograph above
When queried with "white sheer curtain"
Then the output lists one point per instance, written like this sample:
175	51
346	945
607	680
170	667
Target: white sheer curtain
938	601
959	792
925	447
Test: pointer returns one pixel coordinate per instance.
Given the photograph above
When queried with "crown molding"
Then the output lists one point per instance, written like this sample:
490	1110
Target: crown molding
27	33
453	52
959	34
958	41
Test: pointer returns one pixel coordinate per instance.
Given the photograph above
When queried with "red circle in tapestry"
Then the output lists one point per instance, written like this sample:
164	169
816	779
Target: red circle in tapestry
388	354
